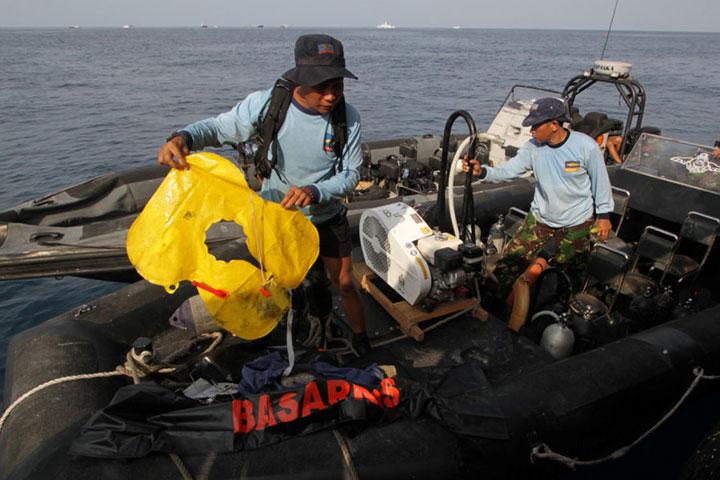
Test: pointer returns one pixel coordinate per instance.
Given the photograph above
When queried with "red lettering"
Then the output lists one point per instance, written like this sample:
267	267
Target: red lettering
265	416
243	420
391	394
363	393
290	407
312	400
338	390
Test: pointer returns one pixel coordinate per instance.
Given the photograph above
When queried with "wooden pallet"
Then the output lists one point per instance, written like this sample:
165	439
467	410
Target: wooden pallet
407	316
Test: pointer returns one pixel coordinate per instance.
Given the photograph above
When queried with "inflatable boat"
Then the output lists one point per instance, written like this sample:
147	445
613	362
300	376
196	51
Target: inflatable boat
601	358
82	230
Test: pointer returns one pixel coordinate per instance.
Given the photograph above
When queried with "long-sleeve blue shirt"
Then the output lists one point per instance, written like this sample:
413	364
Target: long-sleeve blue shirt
571	179
305	154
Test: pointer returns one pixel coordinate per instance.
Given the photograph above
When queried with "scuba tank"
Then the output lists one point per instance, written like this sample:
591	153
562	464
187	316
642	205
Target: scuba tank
558	339
496	235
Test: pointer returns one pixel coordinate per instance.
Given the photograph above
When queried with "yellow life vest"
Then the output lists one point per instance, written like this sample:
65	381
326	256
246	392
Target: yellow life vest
166	244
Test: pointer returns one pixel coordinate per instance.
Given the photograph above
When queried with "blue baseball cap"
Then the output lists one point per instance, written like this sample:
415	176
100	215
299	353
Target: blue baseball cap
544	110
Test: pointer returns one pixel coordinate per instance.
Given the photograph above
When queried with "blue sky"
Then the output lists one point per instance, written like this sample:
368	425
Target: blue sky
664	15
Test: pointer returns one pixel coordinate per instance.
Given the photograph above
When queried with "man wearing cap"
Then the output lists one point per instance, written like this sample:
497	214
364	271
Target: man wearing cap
572	189
306	172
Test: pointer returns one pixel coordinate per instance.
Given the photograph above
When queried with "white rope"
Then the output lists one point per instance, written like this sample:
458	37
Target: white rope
135	367
289	344
544	451
258	241
69	378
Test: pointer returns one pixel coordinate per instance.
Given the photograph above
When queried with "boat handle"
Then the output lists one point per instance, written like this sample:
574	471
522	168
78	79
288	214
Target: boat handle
45	236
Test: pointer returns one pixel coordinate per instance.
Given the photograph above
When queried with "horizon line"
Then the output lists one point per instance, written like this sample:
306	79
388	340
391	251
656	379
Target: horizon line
370	27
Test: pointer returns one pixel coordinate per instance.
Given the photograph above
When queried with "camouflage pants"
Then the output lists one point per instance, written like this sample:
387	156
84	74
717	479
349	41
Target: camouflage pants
567	246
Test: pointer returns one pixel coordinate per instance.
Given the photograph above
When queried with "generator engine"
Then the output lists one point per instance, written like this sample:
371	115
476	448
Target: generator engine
425	267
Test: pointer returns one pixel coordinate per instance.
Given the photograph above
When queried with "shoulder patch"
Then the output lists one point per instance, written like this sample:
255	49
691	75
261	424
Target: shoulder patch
572	166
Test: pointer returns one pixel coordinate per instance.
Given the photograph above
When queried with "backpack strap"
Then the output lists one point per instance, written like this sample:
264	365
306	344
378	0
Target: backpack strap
338	118
270	124
271	119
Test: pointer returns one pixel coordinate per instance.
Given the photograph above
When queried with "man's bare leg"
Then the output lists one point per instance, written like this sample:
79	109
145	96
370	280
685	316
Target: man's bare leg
340	272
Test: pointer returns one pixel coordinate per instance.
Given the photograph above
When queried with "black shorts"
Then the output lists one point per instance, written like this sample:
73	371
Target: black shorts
335	241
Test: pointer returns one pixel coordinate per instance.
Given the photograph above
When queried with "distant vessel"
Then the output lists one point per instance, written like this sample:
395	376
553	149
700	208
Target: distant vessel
127	26
456	27
203	25
73	27
284	25
385	26
260	26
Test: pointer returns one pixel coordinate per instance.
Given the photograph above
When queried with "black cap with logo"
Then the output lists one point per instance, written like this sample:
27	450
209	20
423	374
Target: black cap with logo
318	58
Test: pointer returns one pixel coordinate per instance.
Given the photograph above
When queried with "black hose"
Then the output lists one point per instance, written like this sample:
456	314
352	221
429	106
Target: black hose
468	215
564	292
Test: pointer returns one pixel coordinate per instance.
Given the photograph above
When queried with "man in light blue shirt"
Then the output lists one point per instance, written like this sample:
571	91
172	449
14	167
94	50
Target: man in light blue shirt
307	172
572	188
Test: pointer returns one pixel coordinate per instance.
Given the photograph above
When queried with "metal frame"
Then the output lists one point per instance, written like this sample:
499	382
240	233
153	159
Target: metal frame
624	193
661	232
518	213
616	289
708	245
631	91
529	87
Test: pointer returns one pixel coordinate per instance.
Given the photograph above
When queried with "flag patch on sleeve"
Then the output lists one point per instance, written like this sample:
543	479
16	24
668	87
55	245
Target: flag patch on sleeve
328	143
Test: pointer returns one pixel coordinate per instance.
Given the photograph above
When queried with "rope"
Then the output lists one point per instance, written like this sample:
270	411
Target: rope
349	470
186	475
289	344
136	367
56	381
258	242
544	451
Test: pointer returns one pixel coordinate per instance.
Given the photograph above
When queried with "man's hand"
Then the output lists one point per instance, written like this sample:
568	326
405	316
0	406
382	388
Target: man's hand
296	197
602	227
173	153
476	168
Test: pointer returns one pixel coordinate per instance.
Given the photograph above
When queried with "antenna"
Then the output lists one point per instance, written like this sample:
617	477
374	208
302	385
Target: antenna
612	19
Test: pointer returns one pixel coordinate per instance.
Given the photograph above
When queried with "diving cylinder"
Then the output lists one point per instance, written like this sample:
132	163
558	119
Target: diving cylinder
193	316
496	235
558	340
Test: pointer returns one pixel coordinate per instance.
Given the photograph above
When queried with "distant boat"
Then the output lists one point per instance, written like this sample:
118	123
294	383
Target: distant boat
456	27
385	26
73	27
203	25
260	26
127	26
284	25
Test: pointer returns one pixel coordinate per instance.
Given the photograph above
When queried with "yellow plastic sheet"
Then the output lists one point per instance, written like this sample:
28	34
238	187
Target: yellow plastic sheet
166	244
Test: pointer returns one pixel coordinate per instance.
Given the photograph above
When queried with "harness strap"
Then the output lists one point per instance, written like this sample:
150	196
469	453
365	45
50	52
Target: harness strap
270	121
269	126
